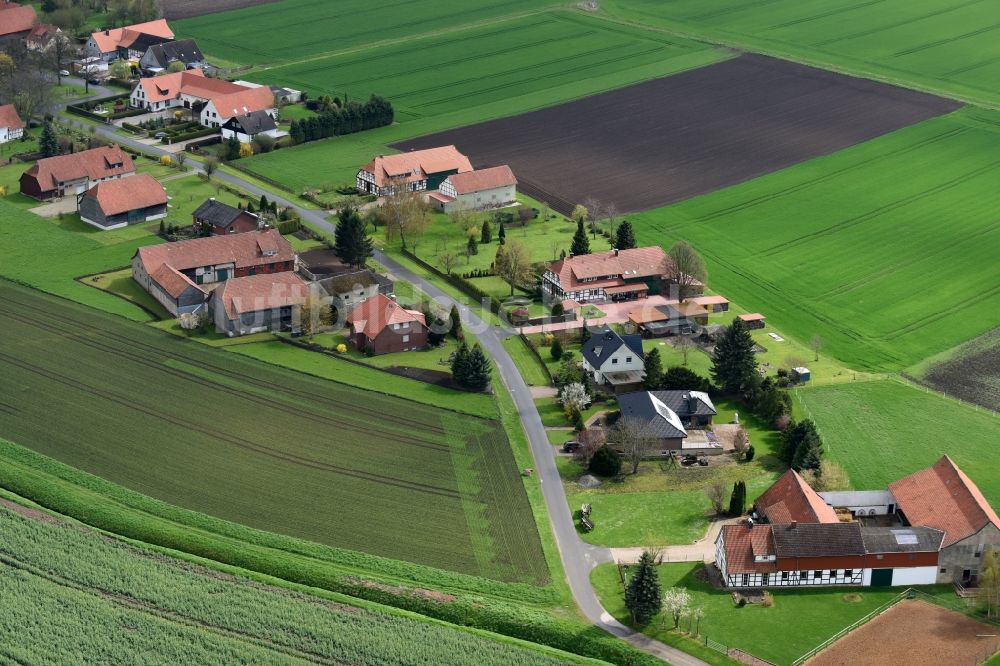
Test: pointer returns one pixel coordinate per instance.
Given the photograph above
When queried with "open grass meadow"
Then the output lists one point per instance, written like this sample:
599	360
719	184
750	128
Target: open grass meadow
883	430
67	591
278	32
259	445
798	621
440	82
886	250
946	45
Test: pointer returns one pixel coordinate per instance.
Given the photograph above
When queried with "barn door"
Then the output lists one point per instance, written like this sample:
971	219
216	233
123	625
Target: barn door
881	577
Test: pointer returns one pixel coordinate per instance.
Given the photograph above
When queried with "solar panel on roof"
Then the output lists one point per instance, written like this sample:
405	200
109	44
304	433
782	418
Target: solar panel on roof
905	537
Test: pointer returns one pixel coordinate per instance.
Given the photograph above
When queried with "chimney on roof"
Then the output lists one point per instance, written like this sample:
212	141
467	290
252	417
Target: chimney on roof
750	523
793	525
616	252
107	32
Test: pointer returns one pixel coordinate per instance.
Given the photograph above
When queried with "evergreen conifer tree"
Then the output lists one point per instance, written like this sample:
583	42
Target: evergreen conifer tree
49	143
733	361
625	236
809	452
472	247
264	205
486	233
642	596
502	235
460	365
581	243
654	371
456	323
737	502
478	375
352	243
556	349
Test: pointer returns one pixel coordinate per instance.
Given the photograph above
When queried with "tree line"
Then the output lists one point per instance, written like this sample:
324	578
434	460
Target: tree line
336	120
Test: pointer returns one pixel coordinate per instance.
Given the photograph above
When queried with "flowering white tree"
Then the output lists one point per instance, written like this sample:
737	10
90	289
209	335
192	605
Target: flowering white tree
574	396
676	602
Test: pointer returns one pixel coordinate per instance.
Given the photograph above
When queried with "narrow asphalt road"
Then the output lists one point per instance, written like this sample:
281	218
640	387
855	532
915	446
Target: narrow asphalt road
578	557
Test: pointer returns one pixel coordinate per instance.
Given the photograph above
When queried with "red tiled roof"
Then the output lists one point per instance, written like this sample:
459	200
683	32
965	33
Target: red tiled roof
754	316
243	101
125	194
9	117
944	498
742	543
415	165
379	311
261	292
482	179
173	282
109	40
707	300
15	18
190	82
791	499
243	250
94	164
633	263
42	33
625	288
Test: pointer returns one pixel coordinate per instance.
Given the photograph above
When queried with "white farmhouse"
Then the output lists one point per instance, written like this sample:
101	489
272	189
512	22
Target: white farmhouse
11	125
481	189
614	359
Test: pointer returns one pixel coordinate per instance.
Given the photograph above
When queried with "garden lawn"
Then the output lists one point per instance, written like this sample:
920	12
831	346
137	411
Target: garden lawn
531	369
465	77
359	466
897	271
798	621
666	505
881	431
944	45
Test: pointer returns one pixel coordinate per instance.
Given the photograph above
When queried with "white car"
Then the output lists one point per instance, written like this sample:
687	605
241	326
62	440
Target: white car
63	72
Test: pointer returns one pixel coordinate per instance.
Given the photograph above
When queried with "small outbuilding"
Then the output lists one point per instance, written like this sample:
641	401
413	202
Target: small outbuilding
753	320
222	219
801	374
114	204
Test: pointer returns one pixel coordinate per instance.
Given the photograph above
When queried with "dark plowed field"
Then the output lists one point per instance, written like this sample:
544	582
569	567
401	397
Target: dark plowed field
673	138
182	9
973	374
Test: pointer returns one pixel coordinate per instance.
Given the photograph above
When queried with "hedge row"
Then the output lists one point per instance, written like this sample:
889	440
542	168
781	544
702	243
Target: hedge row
194	134
464	286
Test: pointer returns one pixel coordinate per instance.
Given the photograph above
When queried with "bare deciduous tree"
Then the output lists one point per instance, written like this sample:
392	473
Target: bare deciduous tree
447	261
513	264
816	343
718	495
404	212
632	437
684	346
688	267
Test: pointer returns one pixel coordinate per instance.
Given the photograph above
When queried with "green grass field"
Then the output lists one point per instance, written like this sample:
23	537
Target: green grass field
68	591
259	445
299	29
886	249
881	431
469	76
798	621
946	45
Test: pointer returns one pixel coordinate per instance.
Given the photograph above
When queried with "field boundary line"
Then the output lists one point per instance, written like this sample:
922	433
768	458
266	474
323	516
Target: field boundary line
910	380
905	594
736	44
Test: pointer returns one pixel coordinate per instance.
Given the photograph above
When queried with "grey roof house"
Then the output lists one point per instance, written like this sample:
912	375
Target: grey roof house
614	359
349	290
223	219
158	57
694	408
651	410
251	125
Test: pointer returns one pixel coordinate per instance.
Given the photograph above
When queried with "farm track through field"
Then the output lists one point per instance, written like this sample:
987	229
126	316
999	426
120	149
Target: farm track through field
822	15
912	19
881	210
942	42
44	318
11	561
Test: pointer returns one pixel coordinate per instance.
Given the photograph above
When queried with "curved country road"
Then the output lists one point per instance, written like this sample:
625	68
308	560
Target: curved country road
578	557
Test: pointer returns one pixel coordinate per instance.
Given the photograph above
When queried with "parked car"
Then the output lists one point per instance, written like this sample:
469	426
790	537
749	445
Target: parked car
691	459
63	72
570	446
160	135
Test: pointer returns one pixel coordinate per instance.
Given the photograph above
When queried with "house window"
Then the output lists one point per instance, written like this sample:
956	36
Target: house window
628	359
765	579
614	361
784	575
943	570
395	327
746	579
848	573
406	338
